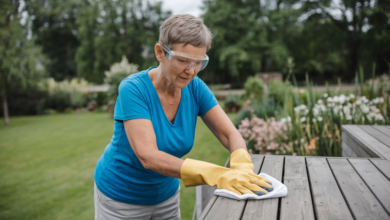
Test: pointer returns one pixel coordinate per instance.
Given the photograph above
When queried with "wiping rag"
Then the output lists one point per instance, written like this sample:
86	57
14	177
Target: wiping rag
280	190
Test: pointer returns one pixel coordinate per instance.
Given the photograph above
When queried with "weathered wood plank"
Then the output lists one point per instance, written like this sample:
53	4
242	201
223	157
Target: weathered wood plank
208	207
375	180
350	152
377	134
360	199
356	147
385	130
383	166
268	208
344	154
225	208
346	147
327	198
297	204
368	142
213	199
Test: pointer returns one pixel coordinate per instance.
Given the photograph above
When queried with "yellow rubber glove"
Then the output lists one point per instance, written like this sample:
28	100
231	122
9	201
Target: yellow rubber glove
241	160
195	172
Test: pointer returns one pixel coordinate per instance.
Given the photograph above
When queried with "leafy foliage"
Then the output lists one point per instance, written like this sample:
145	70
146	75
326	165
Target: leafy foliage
254	88
22	64
109	29
118	71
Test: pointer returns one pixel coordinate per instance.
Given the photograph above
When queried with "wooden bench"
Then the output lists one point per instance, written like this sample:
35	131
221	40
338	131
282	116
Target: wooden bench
366	141
318	188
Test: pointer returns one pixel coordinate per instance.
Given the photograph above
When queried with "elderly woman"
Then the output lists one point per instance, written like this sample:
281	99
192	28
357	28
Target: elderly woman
155	118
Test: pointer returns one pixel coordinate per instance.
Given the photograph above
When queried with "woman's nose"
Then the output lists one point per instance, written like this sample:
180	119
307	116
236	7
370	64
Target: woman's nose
191	68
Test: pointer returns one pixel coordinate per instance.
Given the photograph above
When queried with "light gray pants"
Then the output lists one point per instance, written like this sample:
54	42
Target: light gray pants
108	209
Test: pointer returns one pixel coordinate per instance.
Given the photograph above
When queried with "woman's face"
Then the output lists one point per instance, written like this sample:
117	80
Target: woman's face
178	77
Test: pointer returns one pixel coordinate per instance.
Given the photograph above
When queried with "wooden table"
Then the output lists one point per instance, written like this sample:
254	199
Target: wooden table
318	188
366	141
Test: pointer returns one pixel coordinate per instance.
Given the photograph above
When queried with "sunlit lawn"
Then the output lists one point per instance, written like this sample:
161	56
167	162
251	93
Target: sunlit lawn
47	165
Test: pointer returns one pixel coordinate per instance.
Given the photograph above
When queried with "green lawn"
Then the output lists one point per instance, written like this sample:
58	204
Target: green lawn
47	165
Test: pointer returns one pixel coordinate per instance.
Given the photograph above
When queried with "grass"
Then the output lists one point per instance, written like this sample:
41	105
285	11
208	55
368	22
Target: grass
47	165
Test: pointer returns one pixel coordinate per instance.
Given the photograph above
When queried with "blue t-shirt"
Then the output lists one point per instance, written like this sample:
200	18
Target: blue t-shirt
119	174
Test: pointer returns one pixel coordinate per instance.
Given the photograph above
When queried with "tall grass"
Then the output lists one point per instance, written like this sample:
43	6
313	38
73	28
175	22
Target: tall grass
313	122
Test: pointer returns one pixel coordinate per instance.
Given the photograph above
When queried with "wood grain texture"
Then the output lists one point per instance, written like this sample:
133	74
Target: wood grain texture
383	166
360	199
327	198
373	131
268	208
356	148
368	142
384	129
225	208
208	207
347	149
375	180
297	204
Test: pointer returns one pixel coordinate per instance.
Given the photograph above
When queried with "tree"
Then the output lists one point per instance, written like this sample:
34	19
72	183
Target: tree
249	36
109	29
363	24
21	61
55	30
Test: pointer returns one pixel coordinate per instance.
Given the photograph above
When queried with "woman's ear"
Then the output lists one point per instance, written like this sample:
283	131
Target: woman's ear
159	52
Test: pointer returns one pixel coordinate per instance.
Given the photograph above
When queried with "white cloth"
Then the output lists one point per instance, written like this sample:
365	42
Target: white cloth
280	190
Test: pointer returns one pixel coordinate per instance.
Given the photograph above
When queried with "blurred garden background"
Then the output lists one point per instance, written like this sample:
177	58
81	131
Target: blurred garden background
289	73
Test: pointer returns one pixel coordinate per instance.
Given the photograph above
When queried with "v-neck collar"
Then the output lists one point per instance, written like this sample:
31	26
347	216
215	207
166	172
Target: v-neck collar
155	94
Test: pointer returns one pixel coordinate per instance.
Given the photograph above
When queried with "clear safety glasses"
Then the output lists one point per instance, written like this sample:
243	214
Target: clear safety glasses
184	62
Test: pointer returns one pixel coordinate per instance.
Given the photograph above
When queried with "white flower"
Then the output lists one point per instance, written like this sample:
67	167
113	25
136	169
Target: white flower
289	118
319	118
381	100
348	117
325	95
352	96
303	119
358	102
283	120
314	120
302	140
379	117
329	99
342	99
365	109
320	101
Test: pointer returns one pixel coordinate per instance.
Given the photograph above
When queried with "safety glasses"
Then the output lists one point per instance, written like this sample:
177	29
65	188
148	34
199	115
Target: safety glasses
183	62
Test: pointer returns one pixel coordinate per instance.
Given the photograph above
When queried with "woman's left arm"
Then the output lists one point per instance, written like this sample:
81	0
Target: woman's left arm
222	127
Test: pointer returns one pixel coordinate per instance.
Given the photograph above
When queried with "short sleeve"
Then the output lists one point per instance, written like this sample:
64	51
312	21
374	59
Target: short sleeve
131	102
205	98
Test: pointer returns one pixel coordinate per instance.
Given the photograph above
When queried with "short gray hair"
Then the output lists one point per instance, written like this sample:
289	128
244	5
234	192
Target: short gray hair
187	29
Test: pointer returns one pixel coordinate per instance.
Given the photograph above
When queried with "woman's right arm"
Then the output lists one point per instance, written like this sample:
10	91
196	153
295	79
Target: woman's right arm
142	138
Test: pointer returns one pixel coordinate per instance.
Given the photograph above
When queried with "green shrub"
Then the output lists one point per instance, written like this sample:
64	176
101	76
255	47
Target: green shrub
64	95
254	88
232	103
277	90
118	71
24	102
61	100
262	109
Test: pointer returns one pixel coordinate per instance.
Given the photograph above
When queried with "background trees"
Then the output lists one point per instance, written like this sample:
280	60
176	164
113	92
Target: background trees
21	61
327	39
107	30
